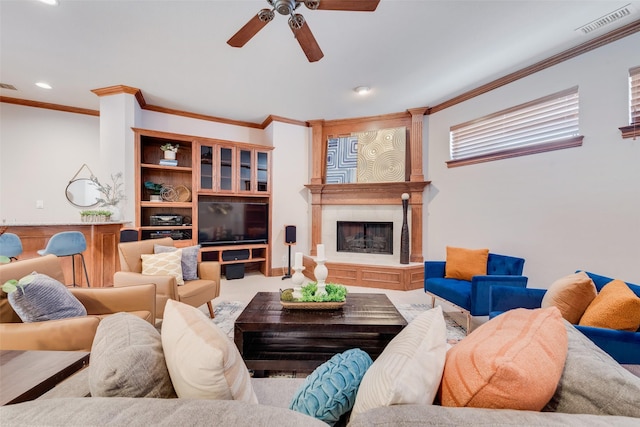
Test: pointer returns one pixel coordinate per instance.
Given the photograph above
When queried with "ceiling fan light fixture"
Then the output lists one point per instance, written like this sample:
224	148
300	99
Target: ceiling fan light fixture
44	85
362	90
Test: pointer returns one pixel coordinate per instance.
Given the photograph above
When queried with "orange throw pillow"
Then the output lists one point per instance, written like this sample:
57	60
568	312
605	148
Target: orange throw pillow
514	361
615	307
572	294
463	263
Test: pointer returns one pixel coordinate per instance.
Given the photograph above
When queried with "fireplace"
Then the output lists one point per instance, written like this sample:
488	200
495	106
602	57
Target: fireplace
365	237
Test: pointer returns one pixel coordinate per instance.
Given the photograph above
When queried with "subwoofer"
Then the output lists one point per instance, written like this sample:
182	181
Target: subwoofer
290	234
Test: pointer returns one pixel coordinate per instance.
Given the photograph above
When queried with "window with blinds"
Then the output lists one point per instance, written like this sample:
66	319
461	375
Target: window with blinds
548	123
634	95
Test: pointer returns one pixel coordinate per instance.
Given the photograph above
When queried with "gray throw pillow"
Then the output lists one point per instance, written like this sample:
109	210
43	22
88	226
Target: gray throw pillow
45	299
127	360
189	259
593	382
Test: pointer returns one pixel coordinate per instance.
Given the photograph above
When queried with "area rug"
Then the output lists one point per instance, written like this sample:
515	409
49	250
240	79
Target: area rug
226	312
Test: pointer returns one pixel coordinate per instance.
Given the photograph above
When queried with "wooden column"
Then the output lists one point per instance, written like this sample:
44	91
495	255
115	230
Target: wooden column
415	139
319	150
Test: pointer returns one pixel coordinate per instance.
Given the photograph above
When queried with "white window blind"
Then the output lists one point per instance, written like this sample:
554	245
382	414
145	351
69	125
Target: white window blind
547	120
634	95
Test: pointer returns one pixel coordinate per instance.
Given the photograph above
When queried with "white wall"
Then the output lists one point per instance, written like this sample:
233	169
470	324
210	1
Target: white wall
40	151
291	199
564	210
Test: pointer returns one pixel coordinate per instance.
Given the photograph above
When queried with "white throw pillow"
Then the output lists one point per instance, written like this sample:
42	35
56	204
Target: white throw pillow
203	362
409	370
165	264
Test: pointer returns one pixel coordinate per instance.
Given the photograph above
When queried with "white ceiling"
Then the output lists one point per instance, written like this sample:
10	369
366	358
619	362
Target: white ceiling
413	53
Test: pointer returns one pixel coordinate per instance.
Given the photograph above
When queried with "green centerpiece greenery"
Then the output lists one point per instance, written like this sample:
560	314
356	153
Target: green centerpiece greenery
334	293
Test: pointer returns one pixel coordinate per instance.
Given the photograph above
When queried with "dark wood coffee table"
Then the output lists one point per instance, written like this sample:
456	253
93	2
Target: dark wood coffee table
272	338
27	375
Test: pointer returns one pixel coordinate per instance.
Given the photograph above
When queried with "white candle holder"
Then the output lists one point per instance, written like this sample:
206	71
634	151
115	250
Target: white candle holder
321	272
297	278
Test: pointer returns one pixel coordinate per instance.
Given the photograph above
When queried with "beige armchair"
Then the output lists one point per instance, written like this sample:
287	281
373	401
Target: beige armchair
74	333
193	292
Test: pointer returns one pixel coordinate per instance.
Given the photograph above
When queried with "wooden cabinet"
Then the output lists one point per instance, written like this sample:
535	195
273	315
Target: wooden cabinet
230	171
174	215
233	168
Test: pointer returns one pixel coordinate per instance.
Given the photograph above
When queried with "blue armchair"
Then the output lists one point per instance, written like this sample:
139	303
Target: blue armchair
473	296
623	346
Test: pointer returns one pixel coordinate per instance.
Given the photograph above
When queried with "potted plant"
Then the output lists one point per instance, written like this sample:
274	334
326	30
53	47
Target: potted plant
170	150
155	189
95	215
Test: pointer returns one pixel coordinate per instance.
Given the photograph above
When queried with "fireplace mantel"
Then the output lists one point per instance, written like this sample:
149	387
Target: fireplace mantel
381	193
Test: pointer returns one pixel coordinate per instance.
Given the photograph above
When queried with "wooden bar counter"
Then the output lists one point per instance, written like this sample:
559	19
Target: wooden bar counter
101	255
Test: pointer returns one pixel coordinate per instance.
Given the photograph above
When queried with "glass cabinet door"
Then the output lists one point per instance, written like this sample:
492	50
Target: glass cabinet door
206	168
262	171
245	170
226	169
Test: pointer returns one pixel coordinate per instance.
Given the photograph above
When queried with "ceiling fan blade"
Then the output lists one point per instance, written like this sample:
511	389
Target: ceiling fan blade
249	30
351	5
308	43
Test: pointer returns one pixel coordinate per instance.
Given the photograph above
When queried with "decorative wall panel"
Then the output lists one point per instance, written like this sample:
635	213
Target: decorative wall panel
381	155
342	160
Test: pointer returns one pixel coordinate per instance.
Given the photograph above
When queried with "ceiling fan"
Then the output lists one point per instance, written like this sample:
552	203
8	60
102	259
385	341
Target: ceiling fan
297	22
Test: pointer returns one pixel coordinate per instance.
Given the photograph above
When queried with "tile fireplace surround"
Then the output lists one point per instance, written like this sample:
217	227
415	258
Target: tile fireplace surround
368	202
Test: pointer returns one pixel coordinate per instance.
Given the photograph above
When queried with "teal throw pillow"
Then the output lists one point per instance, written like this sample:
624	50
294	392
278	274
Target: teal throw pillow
45	299
189	260
330	391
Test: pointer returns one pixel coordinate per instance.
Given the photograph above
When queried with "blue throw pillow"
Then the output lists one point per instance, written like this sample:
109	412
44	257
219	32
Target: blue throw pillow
330	391
189	259
45	299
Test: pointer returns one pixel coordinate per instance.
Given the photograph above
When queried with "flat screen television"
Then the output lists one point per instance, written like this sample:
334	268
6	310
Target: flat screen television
229	223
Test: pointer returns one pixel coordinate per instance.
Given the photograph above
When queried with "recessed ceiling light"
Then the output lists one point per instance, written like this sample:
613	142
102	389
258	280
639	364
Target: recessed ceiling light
43	85
362	90
50	2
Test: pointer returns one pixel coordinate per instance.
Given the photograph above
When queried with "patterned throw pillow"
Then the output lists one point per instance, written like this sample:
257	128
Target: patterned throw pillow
127	360
189	259
203	362
45	299
409	369
514	361
463	263
330	390
166	264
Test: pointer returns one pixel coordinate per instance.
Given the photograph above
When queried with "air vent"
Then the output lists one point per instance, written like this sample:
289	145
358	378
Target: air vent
7	86
607	19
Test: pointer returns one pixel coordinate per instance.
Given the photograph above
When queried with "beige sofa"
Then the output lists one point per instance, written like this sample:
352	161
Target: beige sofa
607	385
74	333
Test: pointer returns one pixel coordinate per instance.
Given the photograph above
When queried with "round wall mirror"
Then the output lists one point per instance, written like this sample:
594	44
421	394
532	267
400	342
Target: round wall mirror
82	193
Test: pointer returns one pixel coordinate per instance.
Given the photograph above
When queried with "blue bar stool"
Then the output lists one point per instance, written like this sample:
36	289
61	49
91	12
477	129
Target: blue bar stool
10	245
68	243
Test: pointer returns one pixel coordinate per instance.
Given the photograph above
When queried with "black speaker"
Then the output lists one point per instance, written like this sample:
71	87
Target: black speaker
235	255
289	233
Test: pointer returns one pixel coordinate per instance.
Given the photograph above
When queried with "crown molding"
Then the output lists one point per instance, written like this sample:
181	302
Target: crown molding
49	106
585	47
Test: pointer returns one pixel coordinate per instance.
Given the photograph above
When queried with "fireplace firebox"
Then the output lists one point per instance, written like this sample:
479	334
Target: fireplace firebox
365	237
